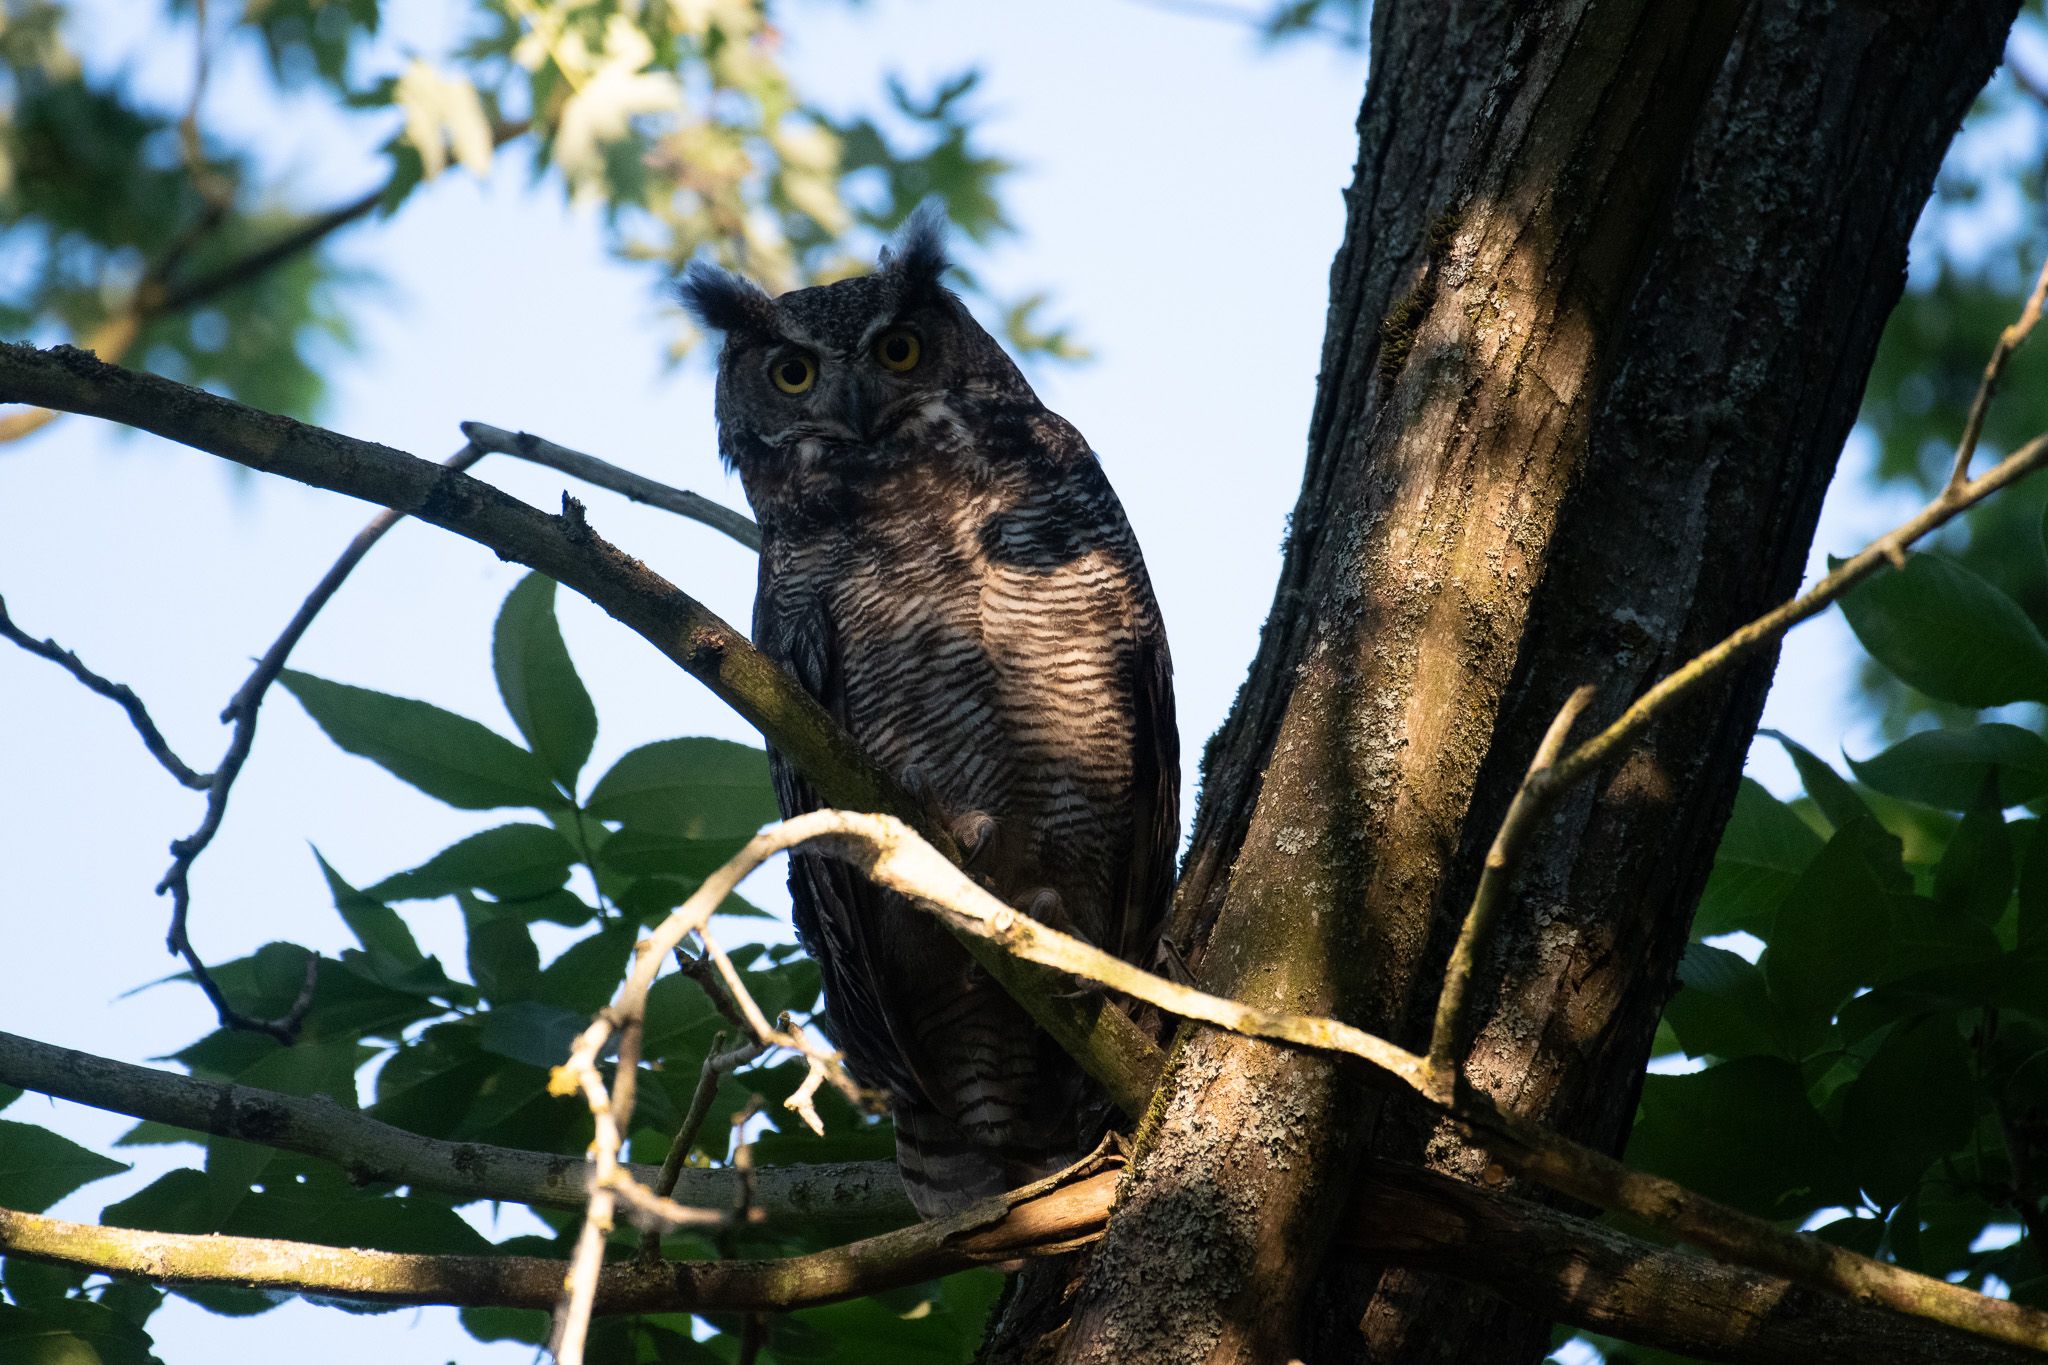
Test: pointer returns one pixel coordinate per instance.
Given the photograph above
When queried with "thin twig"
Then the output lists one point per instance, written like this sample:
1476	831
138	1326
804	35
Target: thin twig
718	1064
521	445
241	713
120	693
1994	370
824	1062
1613	741
1447	1039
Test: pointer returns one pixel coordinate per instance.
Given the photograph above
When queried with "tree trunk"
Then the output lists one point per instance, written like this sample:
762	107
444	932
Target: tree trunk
1614	274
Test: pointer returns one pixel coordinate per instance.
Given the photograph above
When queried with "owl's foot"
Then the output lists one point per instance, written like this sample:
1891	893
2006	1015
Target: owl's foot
1046	906
971	829
972	832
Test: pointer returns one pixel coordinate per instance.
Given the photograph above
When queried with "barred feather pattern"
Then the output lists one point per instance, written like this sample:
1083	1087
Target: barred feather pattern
989	647
945	566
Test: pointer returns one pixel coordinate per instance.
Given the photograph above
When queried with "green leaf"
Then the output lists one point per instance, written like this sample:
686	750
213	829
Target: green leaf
511	862
1723	1006
2031	840
1975	875
1914	1101
1742	1132
9	1094
590	971
649	853
376	925
531	1032
1947	769
1831	933
449	757
689	788
539	683
1830	791
1950	633
33	1284
37	1167
526	1325
71	1332
1763	850
502	959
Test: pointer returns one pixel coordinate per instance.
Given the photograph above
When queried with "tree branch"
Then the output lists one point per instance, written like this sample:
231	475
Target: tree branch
892	855
1994	370
1448	1041
120	693
374	1152
1566	1267
521	445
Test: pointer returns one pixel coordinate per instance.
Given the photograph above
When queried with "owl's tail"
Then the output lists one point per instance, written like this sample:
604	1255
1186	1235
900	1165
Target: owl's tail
945	1168
1010	1107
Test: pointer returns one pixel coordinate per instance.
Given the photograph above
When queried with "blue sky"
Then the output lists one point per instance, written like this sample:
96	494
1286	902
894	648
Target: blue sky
1181	197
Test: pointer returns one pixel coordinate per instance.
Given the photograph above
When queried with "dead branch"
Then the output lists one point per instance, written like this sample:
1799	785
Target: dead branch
522	445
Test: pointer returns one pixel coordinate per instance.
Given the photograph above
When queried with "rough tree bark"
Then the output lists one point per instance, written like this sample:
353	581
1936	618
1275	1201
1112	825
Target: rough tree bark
1613	276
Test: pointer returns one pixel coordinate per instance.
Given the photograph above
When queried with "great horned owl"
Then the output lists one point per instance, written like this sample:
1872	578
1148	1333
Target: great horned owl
945	568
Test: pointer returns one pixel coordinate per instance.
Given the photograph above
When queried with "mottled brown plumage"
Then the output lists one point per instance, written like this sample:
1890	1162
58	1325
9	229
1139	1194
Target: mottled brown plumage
944	566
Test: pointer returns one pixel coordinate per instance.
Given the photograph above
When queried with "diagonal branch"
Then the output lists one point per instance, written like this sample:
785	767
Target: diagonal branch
1567	1268
119	693
373	1152
1101	1037
892	855
523	445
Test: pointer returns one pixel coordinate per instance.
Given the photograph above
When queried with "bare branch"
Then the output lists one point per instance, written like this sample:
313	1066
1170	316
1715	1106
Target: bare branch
1100	1036
371	1152
120	693
1447	1041
992	1231
1571	1269
1568	1268
893	856
1994	369
521	445
241	714
718	1064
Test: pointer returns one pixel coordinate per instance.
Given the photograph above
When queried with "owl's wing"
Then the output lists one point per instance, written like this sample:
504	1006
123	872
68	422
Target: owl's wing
833	907
1155	796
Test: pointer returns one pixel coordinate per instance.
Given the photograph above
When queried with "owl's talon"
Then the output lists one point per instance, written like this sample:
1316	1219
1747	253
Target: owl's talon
972	832
1047	909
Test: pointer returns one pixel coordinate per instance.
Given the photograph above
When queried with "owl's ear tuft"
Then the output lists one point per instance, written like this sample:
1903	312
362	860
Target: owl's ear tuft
723	301
917	254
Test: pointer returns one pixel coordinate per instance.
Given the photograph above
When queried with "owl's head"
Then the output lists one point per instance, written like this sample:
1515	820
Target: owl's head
853	368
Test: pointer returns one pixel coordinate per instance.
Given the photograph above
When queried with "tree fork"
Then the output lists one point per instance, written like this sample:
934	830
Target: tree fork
1650	482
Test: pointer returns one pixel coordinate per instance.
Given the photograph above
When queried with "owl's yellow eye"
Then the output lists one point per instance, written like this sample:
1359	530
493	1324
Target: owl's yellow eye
794	373
898	349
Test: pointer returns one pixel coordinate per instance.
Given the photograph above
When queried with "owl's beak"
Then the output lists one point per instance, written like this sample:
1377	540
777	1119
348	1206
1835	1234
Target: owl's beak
850	403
